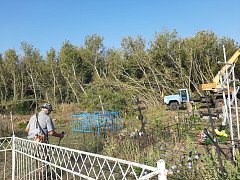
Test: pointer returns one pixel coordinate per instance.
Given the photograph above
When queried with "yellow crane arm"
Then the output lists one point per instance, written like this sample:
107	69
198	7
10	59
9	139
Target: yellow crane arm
232	60
215	84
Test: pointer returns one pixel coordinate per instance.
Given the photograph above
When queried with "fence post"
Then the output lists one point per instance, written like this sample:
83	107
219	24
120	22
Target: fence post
161	168
13	157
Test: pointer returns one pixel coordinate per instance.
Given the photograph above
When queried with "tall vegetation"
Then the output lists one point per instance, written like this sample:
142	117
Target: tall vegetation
82	73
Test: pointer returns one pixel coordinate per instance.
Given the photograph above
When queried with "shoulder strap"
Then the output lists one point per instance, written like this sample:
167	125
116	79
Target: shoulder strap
41	127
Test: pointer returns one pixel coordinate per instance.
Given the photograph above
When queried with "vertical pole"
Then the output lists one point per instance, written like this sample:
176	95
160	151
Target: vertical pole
225	107
227	76
161	168
236	101
98	125
13	148
101	104
13	157
231	122
99	130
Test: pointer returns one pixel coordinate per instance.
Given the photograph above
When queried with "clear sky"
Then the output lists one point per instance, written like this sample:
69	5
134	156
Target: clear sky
48	23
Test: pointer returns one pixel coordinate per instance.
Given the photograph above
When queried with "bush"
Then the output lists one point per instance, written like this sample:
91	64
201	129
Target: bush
24	107
111	100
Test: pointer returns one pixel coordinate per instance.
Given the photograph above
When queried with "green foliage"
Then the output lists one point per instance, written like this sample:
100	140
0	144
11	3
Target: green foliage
24	107
111	100
156	121
169	63
22	125
211	165
232	169
91	73
194	117
110	147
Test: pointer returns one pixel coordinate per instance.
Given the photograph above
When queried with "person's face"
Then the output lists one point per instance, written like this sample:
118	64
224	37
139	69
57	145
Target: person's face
49	111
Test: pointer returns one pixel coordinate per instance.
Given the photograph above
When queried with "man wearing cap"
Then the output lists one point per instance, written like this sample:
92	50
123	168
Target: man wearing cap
41	125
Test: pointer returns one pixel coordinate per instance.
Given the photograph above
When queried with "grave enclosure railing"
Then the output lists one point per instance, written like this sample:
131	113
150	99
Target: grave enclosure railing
26	159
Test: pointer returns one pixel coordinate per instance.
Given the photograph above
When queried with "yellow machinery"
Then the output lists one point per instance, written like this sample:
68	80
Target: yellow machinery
215	85
213	96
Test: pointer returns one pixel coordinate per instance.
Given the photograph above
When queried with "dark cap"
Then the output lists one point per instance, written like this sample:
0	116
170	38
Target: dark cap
47	106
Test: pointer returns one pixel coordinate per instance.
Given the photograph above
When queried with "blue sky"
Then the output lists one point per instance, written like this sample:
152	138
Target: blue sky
48	23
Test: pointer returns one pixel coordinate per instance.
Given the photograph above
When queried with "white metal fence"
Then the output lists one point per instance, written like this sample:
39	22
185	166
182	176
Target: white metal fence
25	159
5	158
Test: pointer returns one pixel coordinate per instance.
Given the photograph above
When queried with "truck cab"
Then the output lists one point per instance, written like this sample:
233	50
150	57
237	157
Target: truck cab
178	100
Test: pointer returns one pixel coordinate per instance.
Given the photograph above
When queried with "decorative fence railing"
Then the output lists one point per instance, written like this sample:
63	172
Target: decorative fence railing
97	122
5	158
26	159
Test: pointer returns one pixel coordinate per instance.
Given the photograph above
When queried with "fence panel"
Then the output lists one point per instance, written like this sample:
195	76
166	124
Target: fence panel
5	157
97	122
35	160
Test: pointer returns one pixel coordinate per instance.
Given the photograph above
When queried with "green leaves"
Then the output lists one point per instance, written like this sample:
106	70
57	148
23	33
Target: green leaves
147	69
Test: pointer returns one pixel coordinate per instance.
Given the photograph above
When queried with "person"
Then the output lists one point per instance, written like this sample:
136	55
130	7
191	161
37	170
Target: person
41	125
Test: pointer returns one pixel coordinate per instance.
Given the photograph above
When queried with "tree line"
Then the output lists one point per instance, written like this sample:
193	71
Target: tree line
83	74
